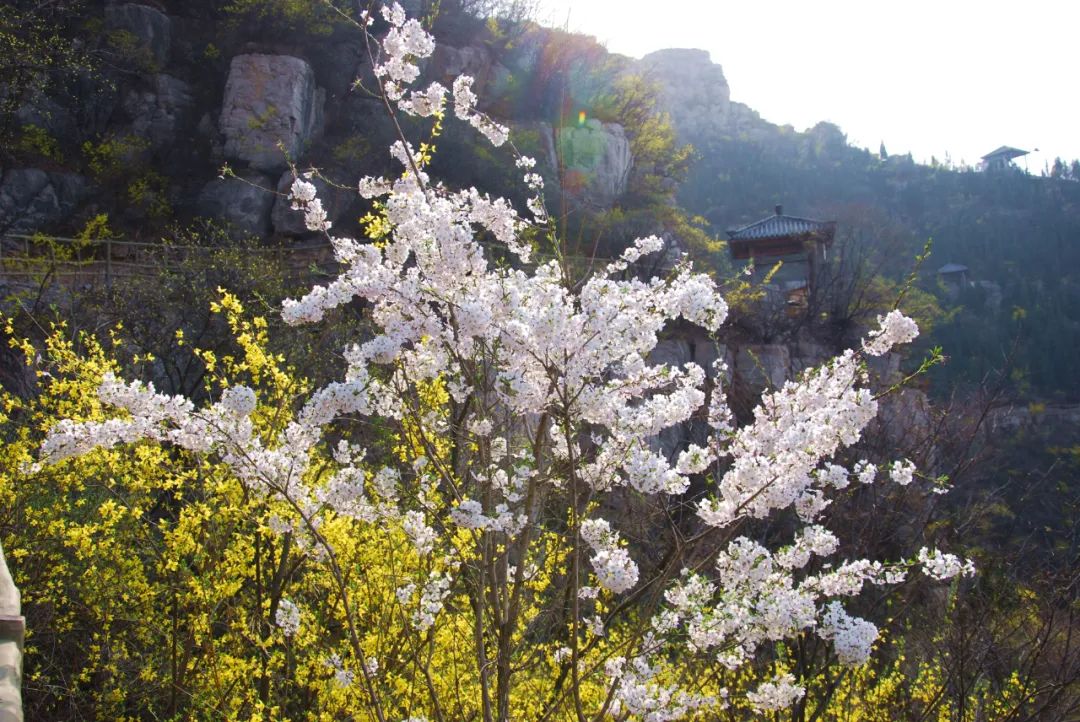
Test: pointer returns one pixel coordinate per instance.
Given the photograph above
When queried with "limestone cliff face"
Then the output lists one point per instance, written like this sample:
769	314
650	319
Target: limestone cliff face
191	97
270	111
32	199
149	27
695	91
596	162
697	96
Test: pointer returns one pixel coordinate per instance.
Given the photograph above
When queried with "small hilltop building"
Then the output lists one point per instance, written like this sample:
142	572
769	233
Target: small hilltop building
1002	158
799	244
953	277
954	273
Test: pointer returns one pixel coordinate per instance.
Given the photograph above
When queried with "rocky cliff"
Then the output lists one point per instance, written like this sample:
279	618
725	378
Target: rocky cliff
697	97
189	89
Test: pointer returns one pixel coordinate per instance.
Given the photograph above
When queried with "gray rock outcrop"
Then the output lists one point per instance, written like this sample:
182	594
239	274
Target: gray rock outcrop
499	84
596	163
807	354
448	62
244	203
158	111
45	113
151	28
694	88
673	352
1012	418
678	352
32	199
537	139
269	100
97	98
885	369
696	95
762	367
337	61
706	353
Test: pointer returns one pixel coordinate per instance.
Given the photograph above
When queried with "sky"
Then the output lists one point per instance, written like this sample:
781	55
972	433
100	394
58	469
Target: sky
944	78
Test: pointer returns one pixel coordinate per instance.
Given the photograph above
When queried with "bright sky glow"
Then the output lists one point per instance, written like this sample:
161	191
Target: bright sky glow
933	77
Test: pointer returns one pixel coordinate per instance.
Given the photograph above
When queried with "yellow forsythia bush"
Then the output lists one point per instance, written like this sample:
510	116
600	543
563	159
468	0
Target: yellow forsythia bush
152	580
156	585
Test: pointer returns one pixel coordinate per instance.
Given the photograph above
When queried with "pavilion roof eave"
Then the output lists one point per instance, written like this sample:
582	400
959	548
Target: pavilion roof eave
781	227
1006	151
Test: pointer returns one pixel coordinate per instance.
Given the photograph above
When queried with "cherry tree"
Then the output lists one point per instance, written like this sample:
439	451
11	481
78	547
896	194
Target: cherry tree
529	412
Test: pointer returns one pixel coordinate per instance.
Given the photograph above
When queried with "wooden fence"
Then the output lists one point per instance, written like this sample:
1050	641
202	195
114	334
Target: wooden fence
74	261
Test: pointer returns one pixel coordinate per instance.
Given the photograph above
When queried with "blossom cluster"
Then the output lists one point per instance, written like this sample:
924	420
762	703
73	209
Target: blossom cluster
343	677
615	570
287	617
795	429
465	109
405	40
852	637
776	694
941	565
639	693
302	194
895	328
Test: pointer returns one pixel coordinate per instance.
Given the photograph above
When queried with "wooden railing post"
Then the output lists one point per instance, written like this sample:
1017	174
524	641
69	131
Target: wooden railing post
12	631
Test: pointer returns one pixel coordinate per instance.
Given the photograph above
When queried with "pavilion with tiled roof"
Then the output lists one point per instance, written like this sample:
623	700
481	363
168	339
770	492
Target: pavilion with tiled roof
801	243
1001	158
